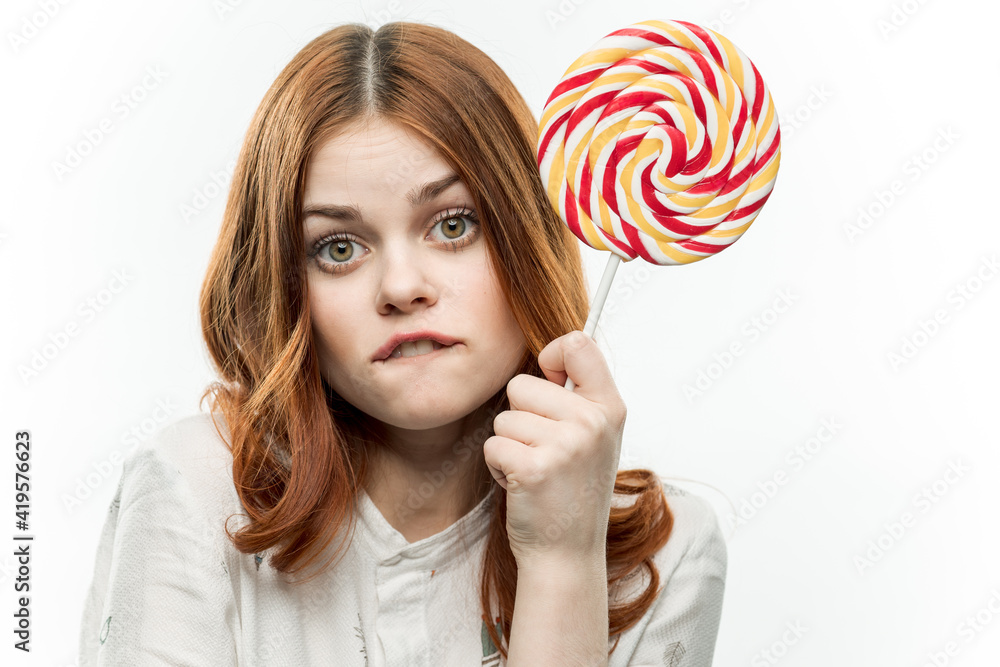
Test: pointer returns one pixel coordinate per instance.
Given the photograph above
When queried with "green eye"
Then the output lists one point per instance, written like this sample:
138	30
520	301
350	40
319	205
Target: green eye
335	253
341	251
453	228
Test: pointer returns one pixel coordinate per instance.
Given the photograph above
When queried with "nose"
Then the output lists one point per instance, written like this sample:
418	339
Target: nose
406	283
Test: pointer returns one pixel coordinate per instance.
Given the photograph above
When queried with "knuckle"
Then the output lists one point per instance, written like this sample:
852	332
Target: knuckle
594	421
577	339
621	415
489	448
497	420
531	474
566	457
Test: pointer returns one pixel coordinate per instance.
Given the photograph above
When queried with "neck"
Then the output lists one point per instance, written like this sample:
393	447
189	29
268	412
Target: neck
422	483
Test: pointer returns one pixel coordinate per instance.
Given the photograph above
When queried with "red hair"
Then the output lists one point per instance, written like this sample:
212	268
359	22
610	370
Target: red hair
299	450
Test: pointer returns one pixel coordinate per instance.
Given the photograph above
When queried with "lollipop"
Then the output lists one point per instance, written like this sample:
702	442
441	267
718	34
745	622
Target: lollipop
660	142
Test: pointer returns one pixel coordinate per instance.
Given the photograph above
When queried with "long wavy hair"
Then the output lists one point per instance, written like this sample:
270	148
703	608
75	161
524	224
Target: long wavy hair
300	452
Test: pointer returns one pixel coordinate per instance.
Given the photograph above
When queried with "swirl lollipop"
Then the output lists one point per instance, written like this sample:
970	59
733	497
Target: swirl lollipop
660	142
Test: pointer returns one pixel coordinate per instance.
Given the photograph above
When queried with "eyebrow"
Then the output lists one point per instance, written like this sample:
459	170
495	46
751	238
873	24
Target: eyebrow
417	197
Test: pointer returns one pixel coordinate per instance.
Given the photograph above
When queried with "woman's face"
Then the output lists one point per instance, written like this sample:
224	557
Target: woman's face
408	257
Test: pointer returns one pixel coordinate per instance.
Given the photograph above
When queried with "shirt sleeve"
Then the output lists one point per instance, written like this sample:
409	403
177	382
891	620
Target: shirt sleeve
685	617
160	594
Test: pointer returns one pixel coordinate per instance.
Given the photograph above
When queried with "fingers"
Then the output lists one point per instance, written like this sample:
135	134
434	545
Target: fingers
577	355
526	427
506	456
532	394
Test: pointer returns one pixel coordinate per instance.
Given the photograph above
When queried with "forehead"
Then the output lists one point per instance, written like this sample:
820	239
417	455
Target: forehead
372	156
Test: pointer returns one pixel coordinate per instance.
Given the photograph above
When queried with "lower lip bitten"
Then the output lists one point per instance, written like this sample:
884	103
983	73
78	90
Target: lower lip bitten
417	349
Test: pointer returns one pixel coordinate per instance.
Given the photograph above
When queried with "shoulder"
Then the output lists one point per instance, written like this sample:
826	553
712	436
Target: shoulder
696	537
164	574
185	460
691	568
695	548
192	438
696	523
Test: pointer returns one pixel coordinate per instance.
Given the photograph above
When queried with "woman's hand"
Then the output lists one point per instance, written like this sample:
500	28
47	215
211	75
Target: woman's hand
556	453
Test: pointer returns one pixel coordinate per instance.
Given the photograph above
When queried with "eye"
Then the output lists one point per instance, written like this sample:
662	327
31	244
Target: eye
454	226
455	223
333	253
340	250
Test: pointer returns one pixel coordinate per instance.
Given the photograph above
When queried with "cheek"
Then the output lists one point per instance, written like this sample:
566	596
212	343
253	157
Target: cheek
324	353
495	314
326	327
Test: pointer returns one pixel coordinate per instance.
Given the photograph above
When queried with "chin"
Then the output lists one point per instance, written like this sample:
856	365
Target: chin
421	415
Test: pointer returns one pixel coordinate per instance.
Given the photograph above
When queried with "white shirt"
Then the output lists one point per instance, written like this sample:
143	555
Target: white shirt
170	589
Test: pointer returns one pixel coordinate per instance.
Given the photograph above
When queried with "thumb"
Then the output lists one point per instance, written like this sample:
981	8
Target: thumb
575	355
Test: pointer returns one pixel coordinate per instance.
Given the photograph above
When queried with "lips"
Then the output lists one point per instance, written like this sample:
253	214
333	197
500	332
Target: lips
420	338
416	349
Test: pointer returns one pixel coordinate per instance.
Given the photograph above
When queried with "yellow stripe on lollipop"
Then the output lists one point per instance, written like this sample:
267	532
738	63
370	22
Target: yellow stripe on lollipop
765	126
721	233
764	177
556	177
734	61
676	35
676	254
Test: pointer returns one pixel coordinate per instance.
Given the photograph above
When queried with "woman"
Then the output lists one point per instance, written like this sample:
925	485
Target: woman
392	472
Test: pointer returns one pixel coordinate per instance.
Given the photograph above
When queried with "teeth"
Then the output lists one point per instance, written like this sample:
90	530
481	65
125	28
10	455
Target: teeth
415	348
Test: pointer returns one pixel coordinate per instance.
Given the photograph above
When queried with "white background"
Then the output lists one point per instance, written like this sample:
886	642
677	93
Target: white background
862	89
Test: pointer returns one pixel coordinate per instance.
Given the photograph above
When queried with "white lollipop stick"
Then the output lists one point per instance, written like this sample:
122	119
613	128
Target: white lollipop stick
598	305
